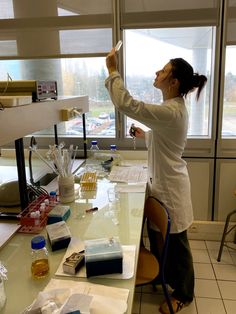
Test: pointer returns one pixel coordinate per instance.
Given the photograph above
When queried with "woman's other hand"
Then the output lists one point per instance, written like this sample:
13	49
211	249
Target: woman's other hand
111	61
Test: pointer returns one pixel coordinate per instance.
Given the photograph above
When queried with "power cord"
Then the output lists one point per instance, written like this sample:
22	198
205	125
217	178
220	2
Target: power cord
32	143
33	187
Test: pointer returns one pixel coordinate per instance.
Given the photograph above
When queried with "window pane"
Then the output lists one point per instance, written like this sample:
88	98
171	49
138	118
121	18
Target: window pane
75	77
148	50
169	12
29	8
43	29
49	42
163	5
229	110
231	23
85	41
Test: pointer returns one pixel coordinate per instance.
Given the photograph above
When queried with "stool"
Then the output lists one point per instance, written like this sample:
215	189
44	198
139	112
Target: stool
225	232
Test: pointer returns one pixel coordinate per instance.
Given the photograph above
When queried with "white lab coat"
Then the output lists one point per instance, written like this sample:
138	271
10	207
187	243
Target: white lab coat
165	142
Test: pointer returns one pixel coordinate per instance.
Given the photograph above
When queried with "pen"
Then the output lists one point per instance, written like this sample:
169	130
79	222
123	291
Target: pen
91	209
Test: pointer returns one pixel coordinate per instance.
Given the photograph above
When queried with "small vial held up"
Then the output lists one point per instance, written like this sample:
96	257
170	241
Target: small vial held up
132	131
118	46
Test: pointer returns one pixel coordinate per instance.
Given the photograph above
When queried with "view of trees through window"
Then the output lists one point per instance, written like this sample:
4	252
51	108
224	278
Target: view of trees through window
75	77
229	111
146	51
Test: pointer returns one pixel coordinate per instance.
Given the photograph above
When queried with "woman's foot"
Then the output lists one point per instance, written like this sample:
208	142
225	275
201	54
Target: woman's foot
176	305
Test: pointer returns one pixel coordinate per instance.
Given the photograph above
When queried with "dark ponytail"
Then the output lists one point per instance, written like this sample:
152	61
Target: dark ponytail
183	72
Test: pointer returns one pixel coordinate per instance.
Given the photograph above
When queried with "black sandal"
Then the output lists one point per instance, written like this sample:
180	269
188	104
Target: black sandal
176	305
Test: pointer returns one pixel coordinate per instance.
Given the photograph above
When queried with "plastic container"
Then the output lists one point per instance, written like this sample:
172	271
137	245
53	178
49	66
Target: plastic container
94	146
66	189
40	263
115	155
52	197
113	148
93	149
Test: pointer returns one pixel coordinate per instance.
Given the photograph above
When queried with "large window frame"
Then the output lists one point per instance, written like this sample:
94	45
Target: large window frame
124	17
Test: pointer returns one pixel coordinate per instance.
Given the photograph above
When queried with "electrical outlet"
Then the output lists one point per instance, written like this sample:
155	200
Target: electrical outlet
193	229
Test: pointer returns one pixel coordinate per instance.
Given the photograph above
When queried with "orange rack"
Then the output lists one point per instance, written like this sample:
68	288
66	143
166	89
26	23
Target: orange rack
30	224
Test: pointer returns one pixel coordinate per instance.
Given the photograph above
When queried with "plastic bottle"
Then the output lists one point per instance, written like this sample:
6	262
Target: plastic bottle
53	197
113	148
94	148
115	155
40	263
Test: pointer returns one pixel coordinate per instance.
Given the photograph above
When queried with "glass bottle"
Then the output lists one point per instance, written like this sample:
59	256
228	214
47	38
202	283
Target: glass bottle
39	253
115	155
94	145
113	148
94	148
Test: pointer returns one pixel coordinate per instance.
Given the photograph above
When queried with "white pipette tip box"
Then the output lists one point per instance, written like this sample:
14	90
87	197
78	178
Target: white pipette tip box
59	213
15	101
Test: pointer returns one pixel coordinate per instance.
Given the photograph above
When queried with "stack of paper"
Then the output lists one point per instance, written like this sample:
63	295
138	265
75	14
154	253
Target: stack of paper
135	174
90	298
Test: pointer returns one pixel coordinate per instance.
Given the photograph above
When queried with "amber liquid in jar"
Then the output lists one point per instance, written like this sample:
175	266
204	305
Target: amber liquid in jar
40	268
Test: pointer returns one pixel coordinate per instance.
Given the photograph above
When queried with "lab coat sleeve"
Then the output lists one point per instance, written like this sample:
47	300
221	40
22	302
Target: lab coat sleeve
145	113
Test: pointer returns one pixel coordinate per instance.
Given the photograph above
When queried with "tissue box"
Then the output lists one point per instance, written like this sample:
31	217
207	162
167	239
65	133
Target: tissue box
103	256
59	235
58	213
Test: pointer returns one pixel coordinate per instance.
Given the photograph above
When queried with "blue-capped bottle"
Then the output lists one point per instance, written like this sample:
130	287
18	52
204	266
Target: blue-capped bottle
39	253
115	155
113	148
94	148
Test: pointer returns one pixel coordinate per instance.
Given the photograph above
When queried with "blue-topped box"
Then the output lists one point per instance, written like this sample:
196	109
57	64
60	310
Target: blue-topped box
103	256
58	213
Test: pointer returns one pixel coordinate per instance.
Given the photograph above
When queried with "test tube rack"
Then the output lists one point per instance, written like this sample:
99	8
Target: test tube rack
88	181
31	224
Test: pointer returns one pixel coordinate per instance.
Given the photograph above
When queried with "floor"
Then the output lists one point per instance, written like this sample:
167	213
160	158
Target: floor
215	283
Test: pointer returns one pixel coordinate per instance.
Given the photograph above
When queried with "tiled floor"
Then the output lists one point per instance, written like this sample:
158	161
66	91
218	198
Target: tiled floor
215	283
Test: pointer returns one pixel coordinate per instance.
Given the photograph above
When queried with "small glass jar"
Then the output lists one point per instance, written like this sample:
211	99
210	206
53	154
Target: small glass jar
66	189
39	253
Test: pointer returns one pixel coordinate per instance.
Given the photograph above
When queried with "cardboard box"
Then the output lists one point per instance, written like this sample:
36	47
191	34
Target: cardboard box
73	263
103	256
59	235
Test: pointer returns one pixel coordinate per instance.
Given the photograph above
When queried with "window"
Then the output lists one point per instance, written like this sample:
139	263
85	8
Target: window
66	41
229	113
75	77
229	97
148	50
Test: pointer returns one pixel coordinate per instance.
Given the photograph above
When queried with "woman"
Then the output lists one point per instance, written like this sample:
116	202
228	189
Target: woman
168	175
